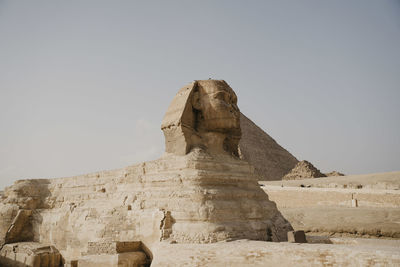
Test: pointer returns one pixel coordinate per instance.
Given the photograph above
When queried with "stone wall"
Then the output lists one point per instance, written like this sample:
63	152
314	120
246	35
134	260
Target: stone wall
334	211
292	197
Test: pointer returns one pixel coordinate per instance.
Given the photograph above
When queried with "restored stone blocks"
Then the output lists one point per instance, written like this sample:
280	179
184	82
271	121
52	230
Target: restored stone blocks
30	254
119	254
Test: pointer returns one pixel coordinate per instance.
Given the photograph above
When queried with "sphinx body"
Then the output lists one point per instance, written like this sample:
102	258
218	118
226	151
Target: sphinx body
199	191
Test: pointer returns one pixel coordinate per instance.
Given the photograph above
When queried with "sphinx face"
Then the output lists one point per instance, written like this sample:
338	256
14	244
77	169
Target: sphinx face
218	105
203	114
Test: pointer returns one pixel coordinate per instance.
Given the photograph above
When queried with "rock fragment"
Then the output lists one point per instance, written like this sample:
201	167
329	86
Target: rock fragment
296	237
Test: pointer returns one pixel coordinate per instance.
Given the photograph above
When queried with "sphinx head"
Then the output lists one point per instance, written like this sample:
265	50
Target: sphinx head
203	114
215	105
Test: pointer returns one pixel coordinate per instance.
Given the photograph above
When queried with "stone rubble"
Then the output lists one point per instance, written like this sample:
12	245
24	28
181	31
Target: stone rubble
334	173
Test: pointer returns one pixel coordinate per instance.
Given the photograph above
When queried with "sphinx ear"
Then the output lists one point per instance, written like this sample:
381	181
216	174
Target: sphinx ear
196	100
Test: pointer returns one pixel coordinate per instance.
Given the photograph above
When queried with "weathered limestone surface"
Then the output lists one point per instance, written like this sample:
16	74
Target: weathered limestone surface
124	254
16	210
29	254
270	160
203	199
203	114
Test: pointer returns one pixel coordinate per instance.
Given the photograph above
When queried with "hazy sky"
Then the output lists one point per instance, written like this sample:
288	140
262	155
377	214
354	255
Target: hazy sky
84	84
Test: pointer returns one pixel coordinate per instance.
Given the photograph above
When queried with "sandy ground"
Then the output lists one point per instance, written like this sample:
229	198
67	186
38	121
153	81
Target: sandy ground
340	252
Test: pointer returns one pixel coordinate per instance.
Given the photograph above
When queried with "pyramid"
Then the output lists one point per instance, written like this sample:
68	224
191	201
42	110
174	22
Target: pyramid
303	170
270	160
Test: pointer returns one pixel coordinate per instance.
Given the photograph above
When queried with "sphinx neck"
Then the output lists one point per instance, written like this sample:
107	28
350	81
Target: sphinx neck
214	142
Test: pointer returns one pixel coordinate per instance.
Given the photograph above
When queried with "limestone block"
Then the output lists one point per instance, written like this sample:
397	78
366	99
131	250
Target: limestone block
30	254
296	237
111	247
7	215
118	254
20	228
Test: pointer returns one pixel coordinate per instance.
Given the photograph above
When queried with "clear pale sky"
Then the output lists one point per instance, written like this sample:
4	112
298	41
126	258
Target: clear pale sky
84	84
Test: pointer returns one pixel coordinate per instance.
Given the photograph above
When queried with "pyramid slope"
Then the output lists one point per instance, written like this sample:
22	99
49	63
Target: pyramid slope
271	161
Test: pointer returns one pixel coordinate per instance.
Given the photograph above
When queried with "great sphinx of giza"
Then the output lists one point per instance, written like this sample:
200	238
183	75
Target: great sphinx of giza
199	191
203	114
